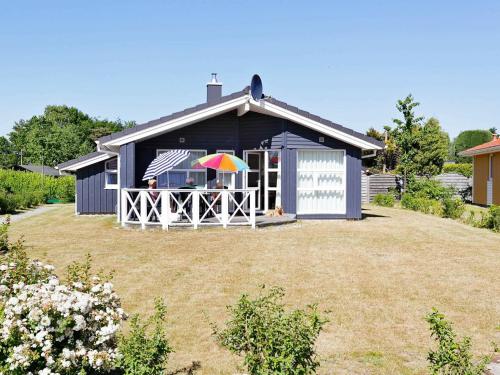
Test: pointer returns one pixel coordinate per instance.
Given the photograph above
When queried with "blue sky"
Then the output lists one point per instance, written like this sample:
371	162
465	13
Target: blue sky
346	61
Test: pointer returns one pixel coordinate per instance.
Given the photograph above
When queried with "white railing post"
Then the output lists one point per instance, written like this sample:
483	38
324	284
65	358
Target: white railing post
165	209
225	208
144	209
252	208
123	207
195	208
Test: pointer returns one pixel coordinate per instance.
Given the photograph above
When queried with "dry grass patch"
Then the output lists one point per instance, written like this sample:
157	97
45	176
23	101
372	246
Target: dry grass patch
379	277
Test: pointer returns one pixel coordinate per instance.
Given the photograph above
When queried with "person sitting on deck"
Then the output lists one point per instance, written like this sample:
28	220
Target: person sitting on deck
151	186
216	196
154	196
187	203
190	183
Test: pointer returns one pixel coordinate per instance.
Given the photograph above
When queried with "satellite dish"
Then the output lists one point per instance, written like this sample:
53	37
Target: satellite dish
256	87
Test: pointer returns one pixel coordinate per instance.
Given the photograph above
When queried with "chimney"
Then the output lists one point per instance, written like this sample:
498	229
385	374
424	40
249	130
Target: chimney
214	89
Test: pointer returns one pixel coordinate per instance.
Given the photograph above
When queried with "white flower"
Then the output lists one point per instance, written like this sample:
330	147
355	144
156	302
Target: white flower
36	312
79	322
45	321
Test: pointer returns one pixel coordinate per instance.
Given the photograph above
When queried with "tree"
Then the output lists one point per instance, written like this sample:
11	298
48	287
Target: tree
406	135
468	139
8	157
410	147
61	133
433	149
387	157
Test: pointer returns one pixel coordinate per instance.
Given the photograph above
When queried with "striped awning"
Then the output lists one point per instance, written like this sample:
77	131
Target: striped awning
165	162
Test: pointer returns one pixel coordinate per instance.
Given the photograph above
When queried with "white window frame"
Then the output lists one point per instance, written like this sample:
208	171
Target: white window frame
108	171
219	174
316	188
188	171
268	188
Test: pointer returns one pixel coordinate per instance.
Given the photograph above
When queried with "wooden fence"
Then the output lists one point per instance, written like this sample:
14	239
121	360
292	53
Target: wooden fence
381	183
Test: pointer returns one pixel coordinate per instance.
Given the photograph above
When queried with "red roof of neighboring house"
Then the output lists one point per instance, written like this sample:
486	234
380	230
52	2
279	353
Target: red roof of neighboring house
485	148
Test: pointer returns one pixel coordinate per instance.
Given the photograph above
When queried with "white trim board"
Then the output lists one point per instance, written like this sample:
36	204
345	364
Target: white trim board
86	163
174	124
482	151
241	104
269	108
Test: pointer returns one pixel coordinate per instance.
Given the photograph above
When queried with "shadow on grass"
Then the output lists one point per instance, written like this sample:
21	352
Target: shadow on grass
189	370
365	215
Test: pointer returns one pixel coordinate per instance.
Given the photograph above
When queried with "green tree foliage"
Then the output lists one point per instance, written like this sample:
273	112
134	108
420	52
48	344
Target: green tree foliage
433	145
272	340
8	158
460	168
468	139
61	133
406	135
452	357
412	147
388	156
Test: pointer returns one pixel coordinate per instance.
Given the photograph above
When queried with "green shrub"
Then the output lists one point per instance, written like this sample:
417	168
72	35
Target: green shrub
26	189
142	352
422	204
491	219
453	208
385	200
272	340
8	203
427	188
464	169
4	235
451	357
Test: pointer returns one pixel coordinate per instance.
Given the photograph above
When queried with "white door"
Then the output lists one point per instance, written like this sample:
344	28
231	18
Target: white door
321	182
253	175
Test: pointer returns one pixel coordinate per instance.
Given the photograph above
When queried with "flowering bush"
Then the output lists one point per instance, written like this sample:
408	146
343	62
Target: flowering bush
50	328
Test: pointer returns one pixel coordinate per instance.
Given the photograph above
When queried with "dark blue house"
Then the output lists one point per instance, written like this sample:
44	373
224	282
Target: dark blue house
309	166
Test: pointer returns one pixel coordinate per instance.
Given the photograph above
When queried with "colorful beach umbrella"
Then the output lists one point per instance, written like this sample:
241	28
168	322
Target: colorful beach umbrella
221	162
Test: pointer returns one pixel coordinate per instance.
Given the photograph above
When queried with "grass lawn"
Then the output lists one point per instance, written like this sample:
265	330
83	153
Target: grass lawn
378	277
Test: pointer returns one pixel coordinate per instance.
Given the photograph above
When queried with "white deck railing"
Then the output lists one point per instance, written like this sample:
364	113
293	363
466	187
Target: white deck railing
187	207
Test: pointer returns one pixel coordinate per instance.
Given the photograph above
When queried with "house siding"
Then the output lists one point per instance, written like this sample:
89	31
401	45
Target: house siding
481	166
252	131
128	165
92	197
496	178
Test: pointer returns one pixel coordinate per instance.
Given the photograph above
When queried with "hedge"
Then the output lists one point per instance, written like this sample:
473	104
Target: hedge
19	189
464	169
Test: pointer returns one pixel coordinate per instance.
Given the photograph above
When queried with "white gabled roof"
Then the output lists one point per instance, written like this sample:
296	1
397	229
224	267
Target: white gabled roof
84	161
243	104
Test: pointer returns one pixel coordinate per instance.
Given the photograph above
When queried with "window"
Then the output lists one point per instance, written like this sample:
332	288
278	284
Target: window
111	174
321	182
226	178
177	177
272	179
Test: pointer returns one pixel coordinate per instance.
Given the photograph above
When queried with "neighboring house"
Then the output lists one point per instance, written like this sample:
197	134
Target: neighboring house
486	172
42	169
301	162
